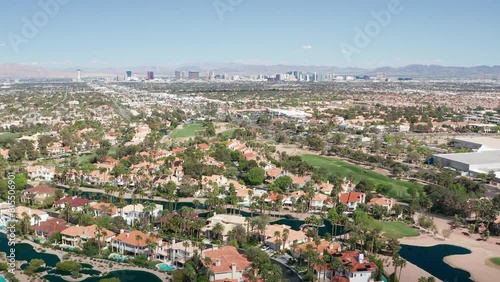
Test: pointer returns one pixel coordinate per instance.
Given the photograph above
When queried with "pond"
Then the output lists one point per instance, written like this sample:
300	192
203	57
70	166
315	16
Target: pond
431	260
294	223
123	275
26	252
285	219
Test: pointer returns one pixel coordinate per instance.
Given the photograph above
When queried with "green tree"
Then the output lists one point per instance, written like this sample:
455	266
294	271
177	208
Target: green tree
91	248
256	176
69	266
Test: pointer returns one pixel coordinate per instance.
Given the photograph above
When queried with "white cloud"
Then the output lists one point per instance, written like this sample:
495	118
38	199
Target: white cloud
306	47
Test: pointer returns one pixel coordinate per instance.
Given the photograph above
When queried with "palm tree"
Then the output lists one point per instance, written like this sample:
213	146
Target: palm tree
277	235
66	212
337	265
311	256
37	218
26	222
98	236
148	209
186	245
208	263
262	222
285	236
218	230
196	203
138	238
398	262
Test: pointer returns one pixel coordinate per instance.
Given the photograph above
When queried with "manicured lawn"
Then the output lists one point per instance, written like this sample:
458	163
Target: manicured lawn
398	230
86	158
496	261
7	135
228	133
187	131
345	169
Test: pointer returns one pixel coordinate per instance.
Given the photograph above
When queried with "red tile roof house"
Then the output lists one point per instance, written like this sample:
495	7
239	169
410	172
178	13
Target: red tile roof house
203	146
226	263
44	230
134	242
352	200
38	194
382	201
318	201
76	236
359	268
75	202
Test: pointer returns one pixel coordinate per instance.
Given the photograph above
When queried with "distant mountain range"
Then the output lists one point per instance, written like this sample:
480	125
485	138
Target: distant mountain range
15	71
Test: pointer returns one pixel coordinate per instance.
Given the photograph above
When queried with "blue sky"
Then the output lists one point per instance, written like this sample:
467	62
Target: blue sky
102	33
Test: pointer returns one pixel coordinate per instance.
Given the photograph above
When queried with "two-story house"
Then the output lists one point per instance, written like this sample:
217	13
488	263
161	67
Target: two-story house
41	172
226	264
132	212
38	194
352	199
76	203
135	242
76	236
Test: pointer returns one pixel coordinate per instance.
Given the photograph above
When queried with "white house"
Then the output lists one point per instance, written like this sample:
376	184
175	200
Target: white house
134	242
132	212
352	199
41	172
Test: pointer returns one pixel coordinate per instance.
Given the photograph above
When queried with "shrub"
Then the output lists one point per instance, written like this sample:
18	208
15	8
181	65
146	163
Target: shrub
447	233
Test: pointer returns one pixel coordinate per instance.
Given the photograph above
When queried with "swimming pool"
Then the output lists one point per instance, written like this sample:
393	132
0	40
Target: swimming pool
2	279
70	248
118	257
165	267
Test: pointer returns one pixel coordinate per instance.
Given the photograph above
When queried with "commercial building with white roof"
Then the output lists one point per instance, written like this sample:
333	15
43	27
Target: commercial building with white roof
485	156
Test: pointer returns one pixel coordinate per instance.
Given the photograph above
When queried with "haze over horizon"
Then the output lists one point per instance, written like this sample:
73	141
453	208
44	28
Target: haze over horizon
97	34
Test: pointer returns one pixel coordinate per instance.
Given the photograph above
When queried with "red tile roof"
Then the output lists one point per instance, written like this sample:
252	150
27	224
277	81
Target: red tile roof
51	226
42	189
178	150
73	201
130	238
351	257
203	146
351	197
226	255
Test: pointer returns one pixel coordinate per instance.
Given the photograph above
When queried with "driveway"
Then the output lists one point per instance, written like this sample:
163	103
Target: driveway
288	274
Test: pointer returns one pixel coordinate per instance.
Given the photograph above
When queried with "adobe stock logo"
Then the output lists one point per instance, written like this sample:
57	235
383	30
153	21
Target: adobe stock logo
372	29
31	26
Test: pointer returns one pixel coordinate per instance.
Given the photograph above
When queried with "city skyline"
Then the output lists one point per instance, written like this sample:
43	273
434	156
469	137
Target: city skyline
329	33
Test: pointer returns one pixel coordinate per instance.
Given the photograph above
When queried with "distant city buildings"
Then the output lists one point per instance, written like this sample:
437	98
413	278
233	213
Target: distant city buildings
151	75
211	75
193	75
290	76
178	75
